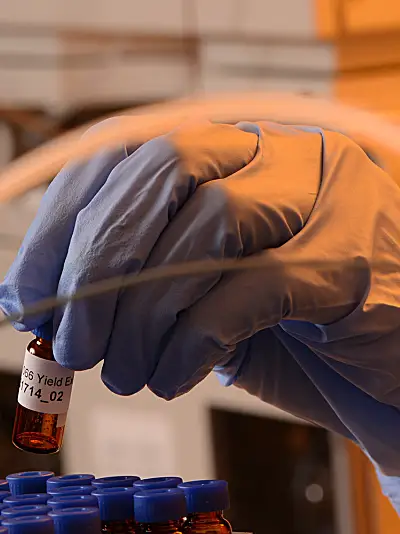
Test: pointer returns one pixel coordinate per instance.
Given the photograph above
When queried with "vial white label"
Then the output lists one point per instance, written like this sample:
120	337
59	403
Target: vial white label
45	385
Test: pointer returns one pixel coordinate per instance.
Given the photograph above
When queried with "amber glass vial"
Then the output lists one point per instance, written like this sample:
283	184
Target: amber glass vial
116	508
43	400
205	502
159	511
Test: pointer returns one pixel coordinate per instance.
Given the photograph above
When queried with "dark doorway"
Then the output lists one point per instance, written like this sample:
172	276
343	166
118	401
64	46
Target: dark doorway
279	474
13	460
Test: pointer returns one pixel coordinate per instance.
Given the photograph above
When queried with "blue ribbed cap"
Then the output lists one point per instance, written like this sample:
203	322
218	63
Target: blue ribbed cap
157	483
70	490
72	501
116	504
124	481
21	511
45	331
159	506
3	495
29	498
28	482
30	524
4	485
205	495
3	507
76	521
69	480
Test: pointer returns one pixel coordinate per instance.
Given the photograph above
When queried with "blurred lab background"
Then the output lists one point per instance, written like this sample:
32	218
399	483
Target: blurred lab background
63	64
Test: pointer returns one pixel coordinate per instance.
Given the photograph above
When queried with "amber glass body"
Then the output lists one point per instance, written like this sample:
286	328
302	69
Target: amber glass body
35	431
207	523
169	527
120	527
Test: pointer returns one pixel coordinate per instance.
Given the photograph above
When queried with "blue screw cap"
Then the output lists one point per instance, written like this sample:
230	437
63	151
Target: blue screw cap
40	524
69	480
29	498
205	496
45	331
21	511
28	482
124	481
76	520
157	483
71	490
116	504
3	495
72	501
159	506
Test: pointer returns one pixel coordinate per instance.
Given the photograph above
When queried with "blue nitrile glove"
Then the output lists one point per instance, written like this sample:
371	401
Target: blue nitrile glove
321	343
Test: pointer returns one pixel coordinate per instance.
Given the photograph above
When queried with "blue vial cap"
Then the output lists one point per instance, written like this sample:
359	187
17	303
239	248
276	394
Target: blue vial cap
76	521
21	500
159	506
28	482
45	331
124	481
205	495
3	507
71	490
3	495
21	511
72	501
4	485
29	524
116	504
69	480
157	483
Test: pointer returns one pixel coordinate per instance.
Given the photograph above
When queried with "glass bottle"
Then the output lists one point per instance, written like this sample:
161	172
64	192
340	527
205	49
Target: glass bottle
205	502
116	510
43	400
160	511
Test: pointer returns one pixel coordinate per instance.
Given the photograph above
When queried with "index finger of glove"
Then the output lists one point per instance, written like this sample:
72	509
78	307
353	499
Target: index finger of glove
35	273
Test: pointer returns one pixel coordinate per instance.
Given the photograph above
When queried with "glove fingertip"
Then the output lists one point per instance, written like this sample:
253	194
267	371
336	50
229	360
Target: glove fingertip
118	387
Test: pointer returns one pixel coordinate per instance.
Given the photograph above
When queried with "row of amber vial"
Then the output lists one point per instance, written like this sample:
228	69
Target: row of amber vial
37	502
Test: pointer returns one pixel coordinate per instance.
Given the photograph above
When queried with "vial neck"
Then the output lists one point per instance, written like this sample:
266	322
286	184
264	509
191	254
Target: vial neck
45	343
206	518
169	527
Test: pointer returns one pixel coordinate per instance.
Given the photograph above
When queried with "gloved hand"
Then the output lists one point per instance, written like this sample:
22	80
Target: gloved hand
319	342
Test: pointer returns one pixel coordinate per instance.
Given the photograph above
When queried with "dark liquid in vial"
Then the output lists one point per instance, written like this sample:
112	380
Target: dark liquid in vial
170	527
35	431
120	527
210	522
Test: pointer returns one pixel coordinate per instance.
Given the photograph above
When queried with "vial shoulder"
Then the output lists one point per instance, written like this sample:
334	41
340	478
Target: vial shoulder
41	348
